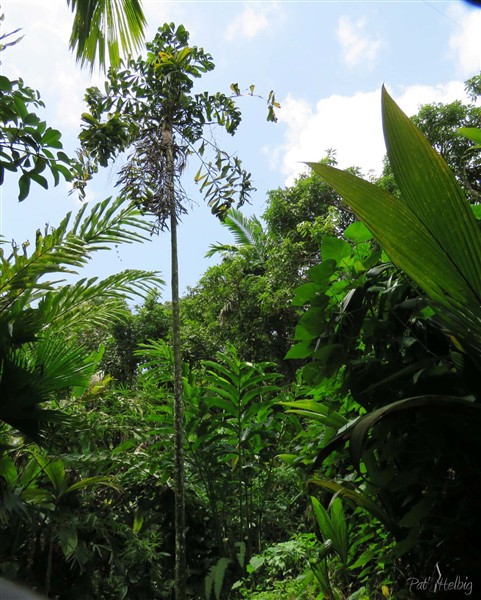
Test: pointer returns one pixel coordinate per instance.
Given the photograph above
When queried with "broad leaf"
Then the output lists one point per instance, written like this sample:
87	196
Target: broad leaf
430	233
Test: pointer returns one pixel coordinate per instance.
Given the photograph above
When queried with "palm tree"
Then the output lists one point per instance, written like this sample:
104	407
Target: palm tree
38	318
155	114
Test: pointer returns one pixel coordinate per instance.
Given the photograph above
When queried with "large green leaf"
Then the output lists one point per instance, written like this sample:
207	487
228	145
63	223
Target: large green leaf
472	133
357	431
405	239
430	232
430	189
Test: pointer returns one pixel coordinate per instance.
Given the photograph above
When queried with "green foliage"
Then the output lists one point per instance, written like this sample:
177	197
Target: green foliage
231	435
299	217
369	426
239	302
157	91
408	355
333	527
56	525
150	321
27	144
102	27
298	569
285	561
472	133
39	357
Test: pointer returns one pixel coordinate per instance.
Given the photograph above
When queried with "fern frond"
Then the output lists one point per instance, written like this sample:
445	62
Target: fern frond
215	578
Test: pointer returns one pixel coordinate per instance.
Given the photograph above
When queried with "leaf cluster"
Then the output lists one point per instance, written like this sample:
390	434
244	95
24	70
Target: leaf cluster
27	144
146	101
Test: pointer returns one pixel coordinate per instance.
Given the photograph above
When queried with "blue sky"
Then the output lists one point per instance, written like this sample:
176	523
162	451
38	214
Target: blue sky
326	62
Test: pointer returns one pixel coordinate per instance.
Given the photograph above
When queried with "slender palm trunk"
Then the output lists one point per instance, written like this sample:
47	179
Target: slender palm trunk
48	571
180	551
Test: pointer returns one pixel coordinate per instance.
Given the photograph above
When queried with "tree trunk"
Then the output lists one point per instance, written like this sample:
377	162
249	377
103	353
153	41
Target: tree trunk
48	571
180	549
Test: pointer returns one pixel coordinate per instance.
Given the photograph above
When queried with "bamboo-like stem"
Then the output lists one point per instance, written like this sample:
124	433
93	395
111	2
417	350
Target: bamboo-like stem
180	549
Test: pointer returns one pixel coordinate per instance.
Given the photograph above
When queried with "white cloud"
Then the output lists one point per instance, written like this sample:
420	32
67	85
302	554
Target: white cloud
70	104
351	125
358	47
253	20
465	42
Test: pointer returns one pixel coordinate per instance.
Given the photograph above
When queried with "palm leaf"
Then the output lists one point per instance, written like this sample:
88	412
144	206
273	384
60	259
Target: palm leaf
429	188
357	431
92	302
430	233
35	373
36	317
106	25
247	232
63	250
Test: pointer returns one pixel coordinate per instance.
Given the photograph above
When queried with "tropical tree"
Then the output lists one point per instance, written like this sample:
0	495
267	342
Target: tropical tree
304	212
150	109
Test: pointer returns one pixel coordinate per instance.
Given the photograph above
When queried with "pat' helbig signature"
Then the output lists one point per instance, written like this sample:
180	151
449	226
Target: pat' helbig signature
439	584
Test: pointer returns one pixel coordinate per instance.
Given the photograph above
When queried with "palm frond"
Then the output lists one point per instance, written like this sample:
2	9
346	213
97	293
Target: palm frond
247	232
37	360
62	250
110	222
220	249
95	303
34	373
104	27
